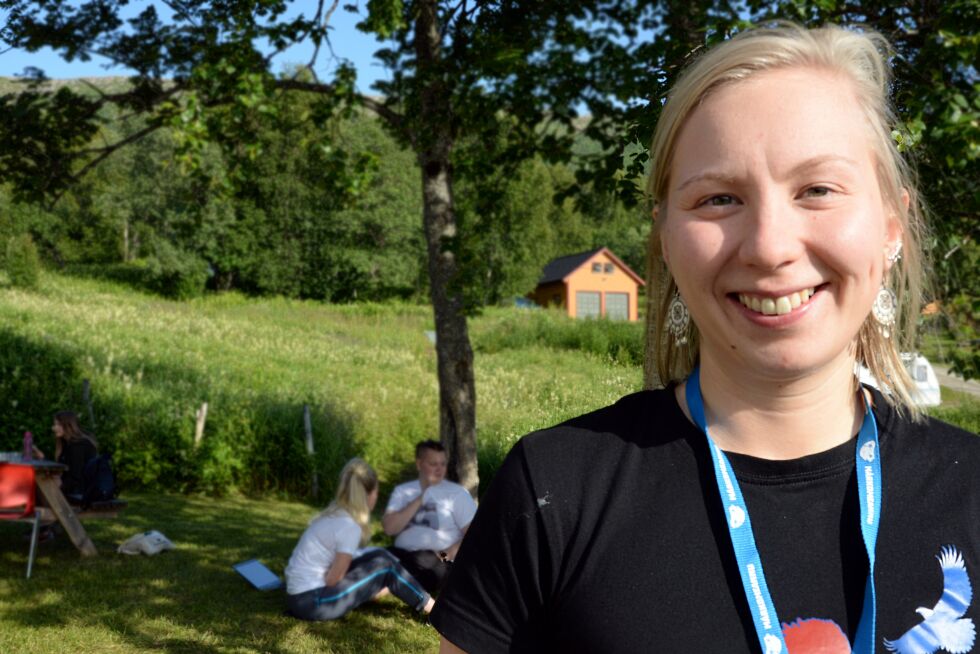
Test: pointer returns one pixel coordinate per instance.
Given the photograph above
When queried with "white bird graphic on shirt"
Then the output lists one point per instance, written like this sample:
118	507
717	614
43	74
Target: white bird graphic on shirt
944	627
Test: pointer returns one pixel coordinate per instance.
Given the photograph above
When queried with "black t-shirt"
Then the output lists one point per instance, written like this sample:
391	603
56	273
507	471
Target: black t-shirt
75	454
606	534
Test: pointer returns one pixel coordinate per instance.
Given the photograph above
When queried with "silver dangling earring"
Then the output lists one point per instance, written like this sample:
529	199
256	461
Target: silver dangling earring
678	319
884	310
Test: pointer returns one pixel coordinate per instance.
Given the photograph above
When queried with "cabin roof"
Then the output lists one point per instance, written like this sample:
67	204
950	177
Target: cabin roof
558	269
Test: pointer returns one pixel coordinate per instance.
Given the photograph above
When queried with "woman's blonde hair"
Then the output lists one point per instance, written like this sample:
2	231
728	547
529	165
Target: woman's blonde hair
357	481
861	58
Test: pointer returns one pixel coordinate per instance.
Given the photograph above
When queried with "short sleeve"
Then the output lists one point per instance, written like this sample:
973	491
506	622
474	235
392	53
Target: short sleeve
348	537
464	508
401	497
493	600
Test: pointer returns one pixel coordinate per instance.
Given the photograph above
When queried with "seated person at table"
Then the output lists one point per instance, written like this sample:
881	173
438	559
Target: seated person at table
73	447
324	578
429	517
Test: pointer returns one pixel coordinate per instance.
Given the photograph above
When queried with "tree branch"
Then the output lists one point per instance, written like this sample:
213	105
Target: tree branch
393	118
316	43
179	11
103	154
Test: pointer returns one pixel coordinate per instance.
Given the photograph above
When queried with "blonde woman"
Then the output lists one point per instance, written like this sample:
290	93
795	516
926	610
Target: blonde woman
764	501
324	579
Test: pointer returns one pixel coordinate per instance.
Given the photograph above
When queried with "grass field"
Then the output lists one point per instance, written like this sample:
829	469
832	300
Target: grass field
183	601
368	371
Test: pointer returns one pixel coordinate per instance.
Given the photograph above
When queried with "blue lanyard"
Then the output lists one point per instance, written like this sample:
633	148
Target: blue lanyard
868	466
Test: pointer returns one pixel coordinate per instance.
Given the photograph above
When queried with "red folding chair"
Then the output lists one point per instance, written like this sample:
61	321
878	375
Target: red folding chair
17	500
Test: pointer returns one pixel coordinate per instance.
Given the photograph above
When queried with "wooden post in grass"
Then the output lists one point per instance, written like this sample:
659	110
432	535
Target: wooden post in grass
308	427
202	416
87	399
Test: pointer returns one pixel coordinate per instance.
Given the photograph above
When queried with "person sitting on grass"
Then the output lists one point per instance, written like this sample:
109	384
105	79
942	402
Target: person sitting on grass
74	448
325	578
429	517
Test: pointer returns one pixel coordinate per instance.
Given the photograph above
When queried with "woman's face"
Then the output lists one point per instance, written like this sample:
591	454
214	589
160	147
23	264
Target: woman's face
372	499
775	229
57	429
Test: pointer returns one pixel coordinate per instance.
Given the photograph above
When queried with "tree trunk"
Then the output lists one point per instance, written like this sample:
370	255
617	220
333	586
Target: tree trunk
434	143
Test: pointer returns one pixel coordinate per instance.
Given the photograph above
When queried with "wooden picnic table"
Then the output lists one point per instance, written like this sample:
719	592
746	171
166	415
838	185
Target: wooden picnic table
47	476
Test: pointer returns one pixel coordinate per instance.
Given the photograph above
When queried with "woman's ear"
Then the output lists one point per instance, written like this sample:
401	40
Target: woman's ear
894	229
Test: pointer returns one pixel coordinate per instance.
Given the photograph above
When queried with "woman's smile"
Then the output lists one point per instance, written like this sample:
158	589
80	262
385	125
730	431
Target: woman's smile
775	232
781	305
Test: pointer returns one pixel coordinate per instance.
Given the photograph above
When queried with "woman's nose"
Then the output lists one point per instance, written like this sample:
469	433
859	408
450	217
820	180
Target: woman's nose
770	235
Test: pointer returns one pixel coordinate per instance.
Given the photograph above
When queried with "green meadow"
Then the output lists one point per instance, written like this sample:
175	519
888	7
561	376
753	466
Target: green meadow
367	371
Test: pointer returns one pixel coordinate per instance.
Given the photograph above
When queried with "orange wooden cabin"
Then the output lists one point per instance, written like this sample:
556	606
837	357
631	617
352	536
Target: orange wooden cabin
589	285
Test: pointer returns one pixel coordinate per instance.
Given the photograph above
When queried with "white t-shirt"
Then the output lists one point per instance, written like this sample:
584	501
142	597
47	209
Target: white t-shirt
316	549
446	510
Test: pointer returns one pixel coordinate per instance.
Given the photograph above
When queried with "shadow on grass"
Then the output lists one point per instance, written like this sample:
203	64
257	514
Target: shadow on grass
187	600
252	442
134	275
33	373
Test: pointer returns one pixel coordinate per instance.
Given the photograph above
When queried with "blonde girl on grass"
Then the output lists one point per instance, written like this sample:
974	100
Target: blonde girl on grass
326	577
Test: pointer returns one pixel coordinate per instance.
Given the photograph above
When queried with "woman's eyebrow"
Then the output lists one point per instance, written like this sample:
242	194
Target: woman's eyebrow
821	160
802	167
709	176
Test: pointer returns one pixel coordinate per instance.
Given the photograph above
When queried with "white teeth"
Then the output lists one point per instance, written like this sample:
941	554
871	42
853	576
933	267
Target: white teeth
770	306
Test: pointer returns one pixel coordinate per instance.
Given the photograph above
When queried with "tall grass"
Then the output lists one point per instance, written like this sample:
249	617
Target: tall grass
367	371
960	409
507	329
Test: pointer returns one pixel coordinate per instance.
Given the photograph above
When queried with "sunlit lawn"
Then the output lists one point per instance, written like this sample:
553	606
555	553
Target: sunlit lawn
186	600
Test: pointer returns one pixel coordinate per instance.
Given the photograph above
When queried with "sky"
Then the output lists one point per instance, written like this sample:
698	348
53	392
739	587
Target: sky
347	42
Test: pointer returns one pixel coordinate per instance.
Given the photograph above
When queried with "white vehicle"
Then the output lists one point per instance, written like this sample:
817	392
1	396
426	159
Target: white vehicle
927	386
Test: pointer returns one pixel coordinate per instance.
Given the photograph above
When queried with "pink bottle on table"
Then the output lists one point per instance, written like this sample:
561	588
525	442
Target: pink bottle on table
28	446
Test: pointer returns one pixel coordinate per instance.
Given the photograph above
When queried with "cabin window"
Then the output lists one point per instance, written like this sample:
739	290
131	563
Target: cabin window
617	306
586	304
597	267
608	268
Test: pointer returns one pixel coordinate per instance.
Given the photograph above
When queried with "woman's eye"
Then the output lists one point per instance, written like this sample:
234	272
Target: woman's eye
817	192
719	201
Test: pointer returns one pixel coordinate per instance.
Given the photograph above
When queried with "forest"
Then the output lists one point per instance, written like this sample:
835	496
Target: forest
146	217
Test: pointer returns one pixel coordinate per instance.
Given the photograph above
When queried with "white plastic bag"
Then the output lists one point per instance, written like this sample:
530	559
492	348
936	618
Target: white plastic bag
149	543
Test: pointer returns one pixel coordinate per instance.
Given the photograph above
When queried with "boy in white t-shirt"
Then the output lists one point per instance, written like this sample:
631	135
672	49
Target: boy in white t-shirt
429	517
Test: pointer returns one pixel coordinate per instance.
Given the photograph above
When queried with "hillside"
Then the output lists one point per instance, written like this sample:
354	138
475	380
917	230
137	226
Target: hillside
107	84
366	370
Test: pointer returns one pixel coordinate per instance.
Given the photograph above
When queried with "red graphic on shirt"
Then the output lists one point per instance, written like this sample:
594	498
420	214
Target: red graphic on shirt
815	636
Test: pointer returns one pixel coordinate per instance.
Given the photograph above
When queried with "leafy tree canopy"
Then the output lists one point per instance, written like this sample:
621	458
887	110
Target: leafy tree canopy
509	76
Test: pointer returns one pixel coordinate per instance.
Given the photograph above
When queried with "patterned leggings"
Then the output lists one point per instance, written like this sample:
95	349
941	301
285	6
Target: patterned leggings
367	575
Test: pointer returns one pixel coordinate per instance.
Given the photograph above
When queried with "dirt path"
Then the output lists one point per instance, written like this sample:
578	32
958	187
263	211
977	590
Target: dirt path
956	383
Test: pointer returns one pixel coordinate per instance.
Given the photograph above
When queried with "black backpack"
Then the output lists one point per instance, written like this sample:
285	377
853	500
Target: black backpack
100	482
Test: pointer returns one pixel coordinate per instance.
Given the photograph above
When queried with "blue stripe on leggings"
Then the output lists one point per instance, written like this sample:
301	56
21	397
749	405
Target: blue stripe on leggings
324	600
